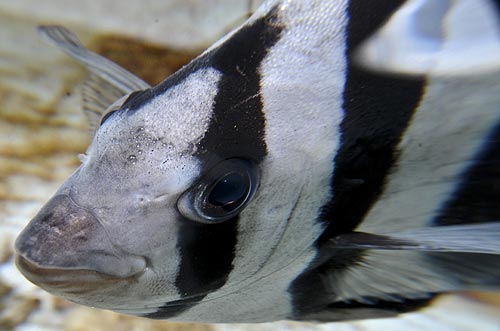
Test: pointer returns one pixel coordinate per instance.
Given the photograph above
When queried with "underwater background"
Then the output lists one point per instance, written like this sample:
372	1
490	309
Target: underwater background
42	130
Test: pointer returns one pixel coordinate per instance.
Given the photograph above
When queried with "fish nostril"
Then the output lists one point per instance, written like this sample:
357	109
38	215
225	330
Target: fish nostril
81	237
47	218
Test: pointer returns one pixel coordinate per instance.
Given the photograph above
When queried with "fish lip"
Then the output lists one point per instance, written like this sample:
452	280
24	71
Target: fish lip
66	238
67	281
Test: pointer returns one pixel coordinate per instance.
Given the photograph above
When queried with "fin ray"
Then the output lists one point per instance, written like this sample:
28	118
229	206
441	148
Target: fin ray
380	275
399	275
475	238
97	96
98	65
107	81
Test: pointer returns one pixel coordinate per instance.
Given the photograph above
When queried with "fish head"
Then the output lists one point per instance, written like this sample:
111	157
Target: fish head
117	217
173	188
198	199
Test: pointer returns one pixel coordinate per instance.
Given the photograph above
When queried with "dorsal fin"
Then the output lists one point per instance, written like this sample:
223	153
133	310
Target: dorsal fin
97	96
107	81
98	65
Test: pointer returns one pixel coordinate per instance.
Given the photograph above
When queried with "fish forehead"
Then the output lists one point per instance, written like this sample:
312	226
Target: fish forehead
177	117
182	114
156	144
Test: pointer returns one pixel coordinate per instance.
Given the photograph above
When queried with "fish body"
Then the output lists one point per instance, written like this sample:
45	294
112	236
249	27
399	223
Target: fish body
277	177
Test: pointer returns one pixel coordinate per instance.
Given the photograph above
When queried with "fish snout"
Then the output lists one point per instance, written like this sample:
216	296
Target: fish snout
66	245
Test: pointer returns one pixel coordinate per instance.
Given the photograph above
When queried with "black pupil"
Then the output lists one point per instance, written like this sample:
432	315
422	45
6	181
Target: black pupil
229	192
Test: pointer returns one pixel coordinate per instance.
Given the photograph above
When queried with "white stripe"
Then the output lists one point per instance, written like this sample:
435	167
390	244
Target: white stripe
448	129
303	79
445	37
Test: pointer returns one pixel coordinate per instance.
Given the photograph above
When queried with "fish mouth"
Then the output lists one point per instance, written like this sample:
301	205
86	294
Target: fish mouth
66	249
64	282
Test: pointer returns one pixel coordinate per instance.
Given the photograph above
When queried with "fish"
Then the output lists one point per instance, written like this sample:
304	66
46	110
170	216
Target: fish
303	167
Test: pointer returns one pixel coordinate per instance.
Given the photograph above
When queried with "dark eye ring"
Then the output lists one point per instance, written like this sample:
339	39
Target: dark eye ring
222	193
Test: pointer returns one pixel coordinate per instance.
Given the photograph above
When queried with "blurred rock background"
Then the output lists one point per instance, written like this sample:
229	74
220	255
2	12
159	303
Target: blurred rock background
42	130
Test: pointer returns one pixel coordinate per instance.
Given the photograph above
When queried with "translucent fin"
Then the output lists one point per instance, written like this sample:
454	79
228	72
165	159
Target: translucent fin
108	71
474	238
98	95
388	271
468	238
107	81
383	276
444	37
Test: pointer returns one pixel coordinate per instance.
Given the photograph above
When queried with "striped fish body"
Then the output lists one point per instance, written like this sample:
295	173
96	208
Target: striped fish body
276	178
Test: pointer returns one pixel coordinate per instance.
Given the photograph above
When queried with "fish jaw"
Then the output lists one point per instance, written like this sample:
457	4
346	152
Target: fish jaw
65	250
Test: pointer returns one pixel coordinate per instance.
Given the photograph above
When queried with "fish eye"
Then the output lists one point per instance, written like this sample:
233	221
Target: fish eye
222	193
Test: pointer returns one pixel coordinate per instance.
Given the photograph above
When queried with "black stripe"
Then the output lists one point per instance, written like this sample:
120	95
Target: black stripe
207	253
496	3
238	122
477	197
475	200
236	129
174	308
378	109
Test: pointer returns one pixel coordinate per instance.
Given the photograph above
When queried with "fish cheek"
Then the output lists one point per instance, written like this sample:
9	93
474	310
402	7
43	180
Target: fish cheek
124	199
145	231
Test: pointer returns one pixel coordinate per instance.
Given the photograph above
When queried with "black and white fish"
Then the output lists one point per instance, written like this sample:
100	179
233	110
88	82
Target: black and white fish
287	172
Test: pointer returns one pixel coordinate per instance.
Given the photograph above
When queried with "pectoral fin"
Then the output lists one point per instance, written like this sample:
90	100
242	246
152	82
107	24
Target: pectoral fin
366	275
481	238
